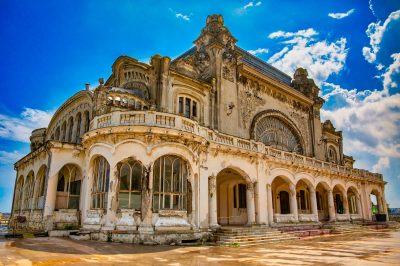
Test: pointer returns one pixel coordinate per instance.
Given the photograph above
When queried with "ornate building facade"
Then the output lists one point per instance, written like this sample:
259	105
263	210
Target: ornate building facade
178	148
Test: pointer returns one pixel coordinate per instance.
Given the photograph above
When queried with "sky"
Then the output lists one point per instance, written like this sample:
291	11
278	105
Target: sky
50	49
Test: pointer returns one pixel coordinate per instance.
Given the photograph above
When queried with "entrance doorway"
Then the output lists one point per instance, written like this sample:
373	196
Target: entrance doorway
231	198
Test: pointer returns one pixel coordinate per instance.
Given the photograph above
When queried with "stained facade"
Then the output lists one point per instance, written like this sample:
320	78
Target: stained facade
179	148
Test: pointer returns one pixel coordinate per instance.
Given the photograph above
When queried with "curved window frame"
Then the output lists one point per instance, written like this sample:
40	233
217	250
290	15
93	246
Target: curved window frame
69	186
19	191
133	187
170	183
28	191
39	189
101	179
279	133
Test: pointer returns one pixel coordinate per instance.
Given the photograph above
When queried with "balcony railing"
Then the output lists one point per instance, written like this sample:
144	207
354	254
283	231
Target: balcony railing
166	120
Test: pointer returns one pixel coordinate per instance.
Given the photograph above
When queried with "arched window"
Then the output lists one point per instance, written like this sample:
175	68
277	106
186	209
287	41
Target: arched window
68	187
101	177
18	193
70	129
39	189
130	185
78	128
64	132
87	121
170	183
28	191
273	131
332	155
57	134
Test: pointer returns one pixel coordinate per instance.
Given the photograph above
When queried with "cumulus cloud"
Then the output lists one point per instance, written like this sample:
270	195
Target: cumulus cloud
179	15
375	32
341	15
258	51
321	57
20	128
369	121
249	5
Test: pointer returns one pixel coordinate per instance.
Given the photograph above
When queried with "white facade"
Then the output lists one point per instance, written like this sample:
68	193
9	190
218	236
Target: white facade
176	149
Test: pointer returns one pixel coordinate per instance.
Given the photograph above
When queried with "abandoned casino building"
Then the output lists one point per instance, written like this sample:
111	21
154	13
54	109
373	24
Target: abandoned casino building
180	148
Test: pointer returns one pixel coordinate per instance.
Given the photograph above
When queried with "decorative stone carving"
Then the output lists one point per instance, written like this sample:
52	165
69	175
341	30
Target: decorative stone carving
202	63
227	74
249	100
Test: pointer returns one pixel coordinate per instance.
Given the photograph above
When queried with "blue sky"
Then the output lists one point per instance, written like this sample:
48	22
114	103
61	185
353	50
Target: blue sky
49	49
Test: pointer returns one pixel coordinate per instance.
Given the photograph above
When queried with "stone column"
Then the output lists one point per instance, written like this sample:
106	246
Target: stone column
261	200
112	201
212	193
293	202
269	205
147	202
314	206
251	215
358	203
51	195
331	206
345	204
380	203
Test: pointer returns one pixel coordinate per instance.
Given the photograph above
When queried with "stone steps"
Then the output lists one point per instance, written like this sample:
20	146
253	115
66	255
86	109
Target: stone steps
250	236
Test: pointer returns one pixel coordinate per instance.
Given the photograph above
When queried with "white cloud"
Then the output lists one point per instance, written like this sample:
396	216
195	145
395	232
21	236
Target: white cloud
179	15
247	6
369	121
392	72
375	33
341	15
258	51
10	157
301	33
320	58
382	163
371	7
20	128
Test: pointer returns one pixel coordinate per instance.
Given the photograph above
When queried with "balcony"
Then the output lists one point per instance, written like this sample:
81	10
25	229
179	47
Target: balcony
176	122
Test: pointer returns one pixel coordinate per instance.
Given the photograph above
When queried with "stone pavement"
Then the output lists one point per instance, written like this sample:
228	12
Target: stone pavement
371	248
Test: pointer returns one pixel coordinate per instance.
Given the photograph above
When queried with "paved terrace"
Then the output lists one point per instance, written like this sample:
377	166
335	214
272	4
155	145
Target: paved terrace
372	248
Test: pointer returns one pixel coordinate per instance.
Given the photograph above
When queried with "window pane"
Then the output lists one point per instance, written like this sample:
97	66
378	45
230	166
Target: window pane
61	183
75	188
167	175
187	107
136	200
194	109
167	202
156	205
124	177
136	177
175	204
176	176
180	104
123	200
